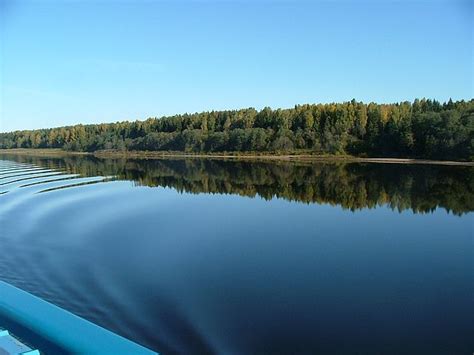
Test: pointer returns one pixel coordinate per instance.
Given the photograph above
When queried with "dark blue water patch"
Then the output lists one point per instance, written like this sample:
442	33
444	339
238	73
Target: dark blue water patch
226	270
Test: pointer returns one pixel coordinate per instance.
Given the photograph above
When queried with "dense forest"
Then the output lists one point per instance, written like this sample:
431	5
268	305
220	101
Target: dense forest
423	129
421	188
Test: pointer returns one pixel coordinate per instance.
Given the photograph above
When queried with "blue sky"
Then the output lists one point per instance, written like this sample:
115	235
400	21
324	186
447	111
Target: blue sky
68	62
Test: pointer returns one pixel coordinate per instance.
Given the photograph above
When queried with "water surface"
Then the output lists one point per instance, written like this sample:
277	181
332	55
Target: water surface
212	256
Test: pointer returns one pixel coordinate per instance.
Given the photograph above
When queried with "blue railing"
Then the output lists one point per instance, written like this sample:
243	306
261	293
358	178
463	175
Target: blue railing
53	330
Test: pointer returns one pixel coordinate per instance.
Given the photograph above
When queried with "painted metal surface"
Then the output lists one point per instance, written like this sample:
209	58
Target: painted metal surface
36	319
9	345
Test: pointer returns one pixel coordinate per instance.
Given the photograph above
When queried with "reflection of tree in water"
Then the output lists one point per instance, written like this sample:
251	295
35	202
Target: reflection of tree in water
353	186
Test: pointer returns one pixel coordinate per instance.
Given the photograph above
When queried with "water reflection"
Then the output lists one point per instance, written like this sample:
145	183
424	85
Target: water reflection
421	188
193	268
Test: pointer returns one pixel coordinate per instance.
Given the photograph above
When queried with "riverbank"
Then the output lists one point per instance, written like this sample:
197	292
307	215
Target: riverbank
242	156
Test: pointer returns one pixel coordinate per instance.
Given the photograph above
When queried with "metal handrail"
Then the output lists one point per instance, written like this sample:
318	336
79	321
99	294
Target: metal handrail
43	324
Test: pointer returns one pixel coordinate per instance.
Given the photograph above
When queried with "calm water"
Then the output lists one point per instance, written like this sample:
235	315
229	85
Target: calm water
203	257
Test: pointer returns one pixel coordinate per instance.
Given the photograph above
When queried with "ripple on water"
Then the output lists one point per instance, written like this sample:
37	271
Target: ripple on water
36	264
18	170
34	177
20	175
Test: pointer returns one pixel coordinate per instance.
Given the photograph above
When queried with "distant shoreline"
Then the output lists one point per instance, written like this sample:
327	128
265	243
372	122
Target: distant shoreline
249	156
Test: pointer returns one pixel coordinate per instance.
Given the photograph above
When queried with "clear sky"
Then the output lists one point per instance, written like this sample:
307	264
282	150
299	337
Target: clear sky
67	62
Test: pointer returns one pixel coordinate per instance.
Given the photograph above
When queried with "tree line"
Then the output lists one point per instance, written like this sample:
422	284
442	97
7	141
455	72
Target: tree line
424	128
354	186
